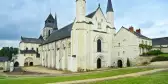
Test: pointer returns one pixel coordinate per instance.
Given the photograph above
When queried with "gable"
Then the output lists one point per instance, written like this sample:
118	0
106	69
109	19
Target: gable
99	14
124	33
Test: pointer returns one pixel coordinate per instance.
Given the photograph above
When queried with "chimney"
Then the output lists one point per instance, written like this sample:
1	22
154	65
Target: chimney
138	31
131	29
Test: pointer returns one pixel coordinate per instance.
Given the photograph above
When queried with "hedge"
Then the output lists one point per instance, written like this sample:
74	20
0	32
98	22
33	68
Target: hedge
159	58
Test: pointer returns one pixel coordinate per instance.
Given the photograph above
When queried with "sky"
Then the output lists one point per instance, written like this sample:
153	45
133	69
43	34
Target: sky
26	17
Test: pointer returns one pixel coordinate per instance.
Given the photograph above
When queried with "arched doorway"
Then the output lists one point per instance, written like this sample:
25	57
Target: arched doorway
98	63
120	64
28	61
31	64
16	64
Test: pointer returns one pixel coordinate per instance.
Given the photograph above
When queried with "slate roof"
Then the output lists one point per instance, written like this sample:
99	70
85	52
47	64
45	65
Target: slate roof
109	6
50	17
138	34
64	32
91	14
160	41
31	40
3	59
28	52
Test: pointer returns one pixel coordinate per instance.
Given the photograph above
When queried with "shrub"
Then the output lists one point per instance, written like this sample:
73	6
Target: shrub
159	58
145	63
154	52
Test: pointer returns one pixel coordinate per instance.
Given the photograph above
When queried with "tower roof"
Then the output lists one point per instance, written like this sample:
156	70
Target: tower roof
109	6
55	23
49	22
50	17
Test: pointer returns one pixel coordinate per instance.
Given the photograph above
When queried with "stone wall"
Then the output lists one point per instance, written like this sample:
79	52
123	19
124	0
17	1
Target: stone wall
142	60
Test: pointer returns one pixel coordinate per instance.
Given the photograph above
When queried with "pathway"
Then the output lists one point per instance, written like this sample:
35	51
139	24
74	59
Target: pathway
113	77
42	70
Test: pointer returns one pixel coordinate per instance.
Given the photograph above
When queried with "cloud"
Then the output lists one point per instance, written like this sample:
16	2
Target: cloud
8	43
26	17
147	24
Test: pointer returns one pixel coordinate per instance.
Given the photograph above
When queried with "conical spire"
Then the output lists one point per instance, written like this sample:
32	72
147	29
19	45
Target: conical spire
55	23
109	6
49	22
50	17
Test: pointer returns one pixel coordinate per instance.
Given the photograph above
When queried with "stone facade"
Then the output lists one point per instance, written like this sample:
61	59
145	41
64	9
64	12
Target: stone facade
88	43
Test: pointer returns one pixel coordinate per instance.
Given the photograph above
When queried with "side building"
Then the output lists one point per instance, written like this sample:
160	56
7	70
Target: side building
160	44
127	46
28	52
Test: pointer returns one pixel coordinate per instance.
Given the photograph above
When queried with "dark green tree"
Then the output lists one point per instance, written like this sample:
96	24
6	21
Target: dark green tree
8	52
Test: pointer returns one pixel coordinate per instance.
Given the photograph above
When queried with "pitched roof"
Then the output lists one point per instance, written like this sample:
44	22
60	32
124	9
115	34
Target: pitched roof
64	32
3	59
91	14
94	12
160	41
138	34
28	52
31	40
50	17
109	6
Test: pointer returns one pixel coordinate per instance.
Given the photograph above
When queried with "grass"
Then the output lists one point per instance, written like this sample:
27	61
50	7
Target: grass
2	77
42	80
164	55
156	78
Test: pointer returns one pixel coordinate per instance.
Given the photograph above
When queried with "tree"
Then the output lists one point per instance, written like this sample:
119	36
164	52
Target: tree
8	52
128	62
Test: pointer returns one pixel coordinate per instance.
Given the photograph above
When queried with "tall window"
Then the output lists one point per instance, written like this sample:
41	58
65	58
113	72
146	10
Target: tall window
49	33
99	46
37	50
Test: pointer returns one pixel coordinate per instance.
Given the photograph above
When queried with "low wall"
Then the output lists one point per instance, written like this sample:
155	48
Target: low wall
142	60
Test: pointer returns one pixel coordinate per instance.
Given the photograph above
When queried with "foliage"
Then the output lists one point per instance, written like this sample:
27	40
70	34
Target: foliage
154	52
128	63
164	55
159	58
92	75
145	46
142	46
8	51
149	47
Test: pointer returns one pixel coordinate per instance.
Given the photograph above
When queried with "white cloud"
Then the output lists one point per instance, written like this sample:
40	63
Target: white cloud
9	43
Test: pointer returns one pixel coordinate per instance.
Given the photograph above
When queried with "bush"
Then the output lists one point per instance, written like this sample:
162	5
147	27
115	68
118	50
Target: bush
159	58
154	52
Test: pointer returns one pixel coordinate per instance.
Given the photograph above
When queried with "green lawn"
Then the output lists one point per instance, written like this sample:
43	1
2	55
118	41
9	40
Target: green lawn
42	80
156	78
164	55
2	77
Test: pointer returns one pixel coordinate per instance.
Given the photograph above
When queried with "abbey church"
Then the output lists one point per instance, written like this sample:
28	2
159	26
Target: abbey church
90	42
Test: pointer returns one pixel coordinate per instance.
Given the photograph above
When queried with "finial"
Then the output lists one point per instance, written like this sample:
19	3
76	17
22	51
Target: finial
99	4
50	10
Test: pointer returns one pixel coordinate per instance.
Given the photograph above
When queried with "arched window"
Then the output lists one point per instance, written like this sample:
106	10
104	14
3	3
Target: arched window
99	46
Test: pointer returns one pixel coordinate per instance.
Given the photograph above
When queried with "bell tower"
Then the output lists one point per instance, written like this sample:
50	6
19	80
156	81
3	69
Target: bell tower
79	38
110	13
80	10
